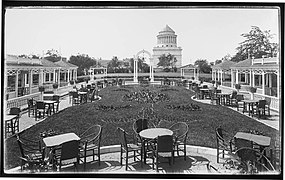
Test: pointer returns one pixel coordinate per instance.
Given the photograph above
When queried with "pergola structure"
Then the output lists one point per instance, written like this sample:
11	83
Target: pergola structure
97	70
262	73
23	76
220	71
190	67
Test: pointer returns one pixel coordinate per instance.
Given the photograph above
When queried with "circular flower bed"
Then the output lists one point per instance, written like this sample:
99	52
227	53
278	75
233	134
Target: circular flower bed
111	108
185	107
146	96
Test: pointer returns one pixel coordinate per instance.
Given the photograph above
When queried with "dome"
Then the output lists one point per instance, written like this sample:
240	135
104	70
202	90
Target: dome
167	30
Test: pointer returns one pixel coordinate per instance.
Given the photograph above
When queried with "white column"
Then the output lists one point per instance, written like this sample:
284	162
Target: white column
245	77
212	74
232	78
16	83
278	84
195	73
215	75
54	76
221	77
253	79
68	78
263	82
236	76
58	77
250	78
31	81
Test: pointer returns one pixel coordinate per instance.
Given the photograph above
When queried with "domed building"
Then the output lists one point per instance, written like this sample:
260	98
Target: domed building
167	43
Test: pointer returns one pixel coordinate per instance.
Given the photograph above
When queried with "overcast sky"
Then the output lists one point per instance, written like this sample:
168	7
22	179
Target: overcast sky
201	33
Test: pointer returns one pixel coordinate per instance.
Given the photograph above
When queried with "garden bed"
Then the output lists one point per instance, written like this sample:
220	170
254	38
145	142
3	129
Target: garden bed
112	112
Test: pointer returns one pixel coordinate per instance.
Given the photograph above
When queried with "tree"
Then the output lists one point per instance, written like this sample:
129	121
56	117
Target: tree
167	61
203	65
52	55
114	64
142	66
256	44
83	61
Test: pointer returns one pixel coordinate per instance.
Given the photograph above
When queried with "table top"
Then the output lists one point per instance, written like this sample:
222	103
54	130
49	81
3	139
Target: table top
153	133
59	139
259	139
50	95
82	92
223	93
49	101
204	89
9	117
249	101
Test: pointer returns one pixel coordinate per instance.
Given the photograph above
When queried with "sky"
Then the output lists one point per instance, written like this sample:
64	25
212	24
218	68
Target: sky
202	33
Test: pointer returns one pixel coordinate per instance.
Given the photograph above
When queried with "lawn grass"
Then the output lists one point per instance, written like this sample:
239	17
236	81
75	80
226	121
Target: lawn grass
202	123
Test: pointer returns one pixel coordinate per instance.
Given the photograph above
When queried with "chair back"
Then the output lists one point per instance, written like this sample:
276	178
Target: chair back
180	130
268	101
15	111
234	95
218	91
30	102
122	138
20	143
239	97
140	125
40	105
204	86
92	134
219	133
261	104
165	144
164	124
56	98
88	86
69	152
75	94
48	92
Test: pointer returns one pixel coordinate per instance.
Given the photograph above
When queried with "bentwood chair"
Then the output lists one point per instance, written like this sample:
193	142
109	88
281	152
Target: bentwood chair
32	157
164	149
56	98
15	121
31	106
222	144
40	109
260	108
68	154
238	101
91	143
75	98
180	132
164	124
127	147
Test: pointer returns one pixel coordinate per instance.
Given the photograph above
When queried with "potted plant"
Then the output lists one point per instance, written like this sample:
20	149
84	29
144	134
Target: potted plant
252	90
237	86
71	82
41	89
218	83
55	86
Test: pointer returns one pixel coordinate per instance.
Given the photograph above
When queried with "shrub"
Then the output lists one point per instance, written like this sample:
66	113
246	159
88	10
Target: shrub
41	88
71	82
252	89
237	86
55	86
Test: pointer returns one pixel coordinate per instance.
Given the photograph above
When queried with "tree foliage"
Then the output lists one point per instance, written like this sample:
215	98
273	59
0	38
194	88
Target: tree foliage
142	66
52	55
203	65
256	44
167	61
83	61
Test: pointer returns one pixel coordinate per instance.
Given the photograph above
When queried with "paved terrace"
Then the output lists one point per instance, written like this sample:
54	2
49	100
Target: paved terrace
197	161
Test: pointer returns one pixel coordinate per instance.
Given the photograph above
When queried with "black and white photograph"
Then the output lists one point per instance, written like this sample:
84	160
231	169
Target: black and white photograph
143	90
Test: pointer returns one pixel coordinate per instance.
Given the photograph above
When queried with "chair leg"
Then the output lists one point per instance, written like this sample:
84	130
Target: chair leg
127	157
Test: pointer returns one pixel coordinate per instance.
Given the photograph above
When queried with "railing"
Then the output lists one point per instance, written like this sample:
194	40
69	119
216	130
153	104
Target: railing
22	101
265	61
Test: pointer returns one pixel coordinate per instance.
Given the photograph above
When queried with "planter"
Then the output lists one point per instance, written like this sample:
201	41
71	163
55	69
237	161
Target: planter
55	86
71	82
41	89
252	90
237	86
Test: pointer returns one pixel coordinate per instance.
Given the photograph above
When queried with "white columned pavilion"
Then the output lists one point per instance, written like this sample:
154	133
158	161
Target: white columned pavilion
135	70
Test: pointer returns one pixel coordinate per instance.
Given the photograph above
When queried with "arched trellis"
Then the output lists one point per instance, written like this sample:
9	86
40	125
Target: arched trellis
142	52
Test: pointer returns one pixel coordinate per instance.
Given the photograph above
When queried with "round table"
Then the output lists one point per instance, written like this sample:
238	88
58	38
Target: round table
153	133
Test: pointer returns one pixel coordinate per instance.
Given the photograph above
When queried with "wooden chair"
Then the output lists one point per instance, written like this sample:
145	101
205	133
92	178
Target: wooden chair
56	98
127	147
268	103
32	157
15	122
180	132
40	109
164	149
69	154
91	143
75	98
260	108
222	144
238	101
31	106
214	98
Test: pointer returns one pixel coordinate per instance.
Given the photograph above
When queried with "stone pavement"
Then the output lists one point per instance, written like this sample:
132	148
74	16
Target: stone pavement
271	121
